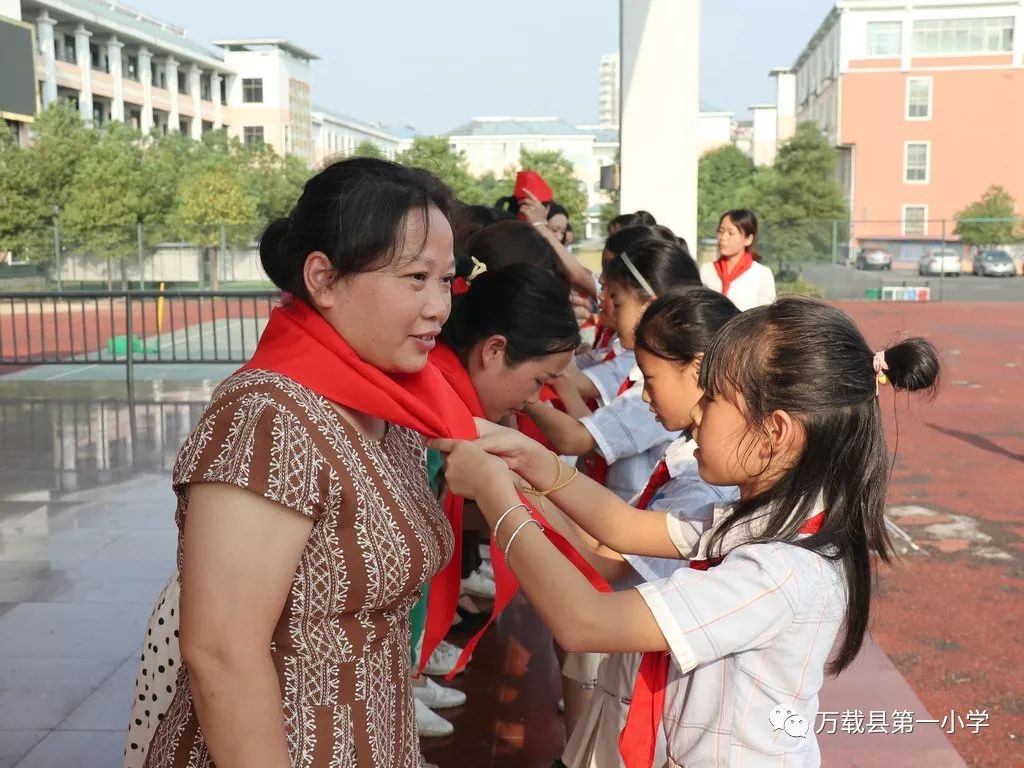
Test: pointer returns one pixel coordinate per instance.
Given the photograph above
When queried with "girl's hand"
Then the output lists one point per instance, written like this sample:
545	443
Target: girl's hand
523	455
532	209
469	470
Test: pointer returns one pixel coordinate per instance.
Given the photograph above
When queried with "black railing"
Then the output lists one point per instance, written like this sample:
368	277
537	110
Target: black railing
131	327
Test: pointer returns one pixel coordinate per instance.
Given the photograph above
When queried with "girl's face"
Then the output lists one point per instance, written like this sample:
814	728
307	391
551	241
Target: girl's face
732	241
732	452
392	316
671	389
628	307
605	310
504	388
559	224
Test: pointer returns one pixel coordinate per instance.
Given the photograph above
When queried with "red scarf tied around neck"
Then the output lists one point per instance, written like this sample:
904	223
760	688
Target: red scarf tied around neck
729	276
438	401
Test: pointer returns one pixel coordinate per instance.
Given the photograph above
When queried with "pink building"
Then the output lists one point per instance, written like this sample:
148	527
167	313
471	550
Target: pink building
925	100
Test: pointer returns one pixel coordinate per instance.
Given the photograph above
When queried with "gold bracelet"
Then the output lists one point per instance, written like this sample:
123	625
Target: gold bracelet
559	486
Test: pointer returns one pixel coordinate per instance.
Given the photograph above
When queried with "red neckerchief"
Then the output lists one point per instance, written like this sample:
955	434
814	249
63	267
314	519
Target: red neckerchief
727	276
300	344
658	478
594	465
440	612
640	735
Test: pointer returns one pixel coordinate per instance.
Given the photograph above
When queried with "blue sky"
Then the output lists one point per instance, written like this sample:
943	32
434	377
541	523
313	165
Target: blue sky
435	64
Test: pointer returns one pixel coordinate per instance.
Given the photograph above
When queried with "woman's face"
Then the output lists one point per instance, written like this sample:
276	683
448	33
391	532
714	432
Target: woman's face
392	316
559	224
504	388
732	241
627	308
671	389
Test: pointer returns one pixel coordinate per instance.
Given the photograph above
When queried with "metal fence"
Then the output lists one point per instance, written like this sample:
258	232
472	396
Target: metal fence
131	327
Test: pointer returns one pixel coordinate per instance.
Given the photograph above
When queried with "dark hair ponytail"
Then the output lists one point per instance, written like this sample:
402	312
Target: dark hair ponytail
680	325
354	211
527	305
505	243
664	264
808	358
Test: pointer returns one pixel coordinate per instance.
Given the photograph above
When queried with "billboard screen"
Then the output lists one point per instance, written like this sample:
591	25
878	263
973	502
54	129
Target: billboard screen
17	70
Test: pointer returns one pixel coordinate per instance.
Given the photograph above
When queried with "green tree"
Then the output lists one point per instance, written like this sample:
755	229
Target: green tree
723	177
36	181
102	212
210	202
433	153
990	221
798	199
275	182
367	148
559	173
487	189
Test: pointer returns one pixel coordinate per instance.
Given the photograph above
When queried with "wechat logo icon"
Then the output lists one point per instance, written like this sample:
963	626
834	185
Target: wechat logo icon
786	719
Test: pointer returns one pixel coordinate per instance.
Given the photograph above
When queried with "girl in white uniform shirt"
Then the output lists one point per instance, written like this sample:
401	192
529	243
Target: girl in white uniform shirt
738	271
669	342
624	433
791	416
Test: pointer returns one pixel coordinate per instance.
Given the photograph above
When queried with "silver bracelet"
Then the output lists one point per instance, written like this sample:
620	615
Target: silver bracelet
505	514
515	533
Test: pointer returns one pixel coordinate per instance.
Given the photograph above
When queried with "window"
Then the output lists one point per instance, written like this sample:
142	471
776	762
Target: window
131	70
223	90
135	119
204	87
915	220
184	125
252	134
940	37
252	90
182	85
69	49
99	60
916	162
885	38
919	98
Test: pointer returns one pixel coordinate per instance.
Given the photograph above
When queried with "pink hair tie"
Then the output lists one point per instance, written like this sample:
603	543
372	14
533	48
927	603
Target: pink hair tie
880	366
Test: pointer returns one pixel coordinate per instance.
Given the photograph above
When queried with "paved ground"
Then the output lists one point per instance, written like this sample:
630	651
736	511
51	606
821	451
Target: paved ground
844	283
86	542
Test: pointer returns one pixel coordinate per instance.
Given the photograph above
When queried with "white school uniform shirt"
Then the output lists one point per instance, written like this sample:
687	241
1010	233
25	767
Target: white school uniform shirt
754	288
629	438
749	635
594	741
688	499
608	375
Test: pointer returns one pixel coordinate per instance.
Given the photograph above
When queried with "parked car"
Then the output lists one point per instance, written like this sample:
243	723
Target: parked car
874	258
994	264
940	261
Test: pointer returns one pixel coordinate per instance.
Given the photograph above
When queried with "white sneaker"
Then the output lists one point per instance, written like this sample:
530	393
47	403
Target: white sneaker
443	659
437	696
425	764
478	585
485	552
430	724
486	569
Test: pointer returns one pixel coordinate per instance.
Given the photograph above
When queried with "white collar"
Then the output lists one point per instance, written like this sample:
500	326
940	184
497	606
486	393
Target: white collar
679	455
748	530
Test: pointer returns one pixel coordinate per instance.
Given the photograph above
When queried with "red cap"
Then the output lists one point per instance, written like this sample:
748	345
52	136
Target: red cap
534	182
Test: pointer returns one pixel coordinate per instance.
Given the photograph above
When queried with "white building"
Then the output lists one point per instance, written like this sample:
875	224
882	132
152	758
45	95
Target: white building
337	136
608	89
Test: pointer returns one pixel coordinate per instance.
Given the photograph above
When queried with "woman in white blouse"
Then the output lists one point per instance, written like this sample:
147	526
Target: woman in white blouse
738	272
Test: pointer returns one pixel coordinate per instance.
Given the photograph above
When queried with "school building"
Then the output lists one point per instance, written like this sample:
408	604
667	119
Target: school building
925	101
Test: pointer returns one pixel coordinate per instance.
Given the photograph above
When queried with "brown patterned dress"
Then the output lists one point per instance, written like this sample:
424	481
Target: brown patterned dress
341	646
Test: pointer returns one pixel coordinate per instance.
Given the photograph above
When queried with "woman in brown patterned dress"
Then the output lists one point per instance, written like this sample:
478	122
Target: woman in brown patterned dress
307	527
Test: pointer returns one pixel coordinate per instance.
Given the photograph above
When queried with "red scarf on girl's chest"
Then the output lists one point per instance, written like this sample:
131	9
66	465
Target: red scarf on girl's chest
729	276
441	609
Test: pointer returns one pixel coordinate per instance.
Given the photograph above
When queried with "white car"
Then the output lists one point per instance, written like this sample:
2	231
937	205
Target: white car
940	261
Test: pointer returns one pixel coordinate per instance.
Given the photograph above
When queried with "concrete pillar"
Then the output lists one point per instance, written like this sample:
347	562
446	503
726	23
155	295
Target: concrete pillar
173	117
660	70
44	31
114	48
765	140
195	91
218	114
146	78
84	58
785	104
